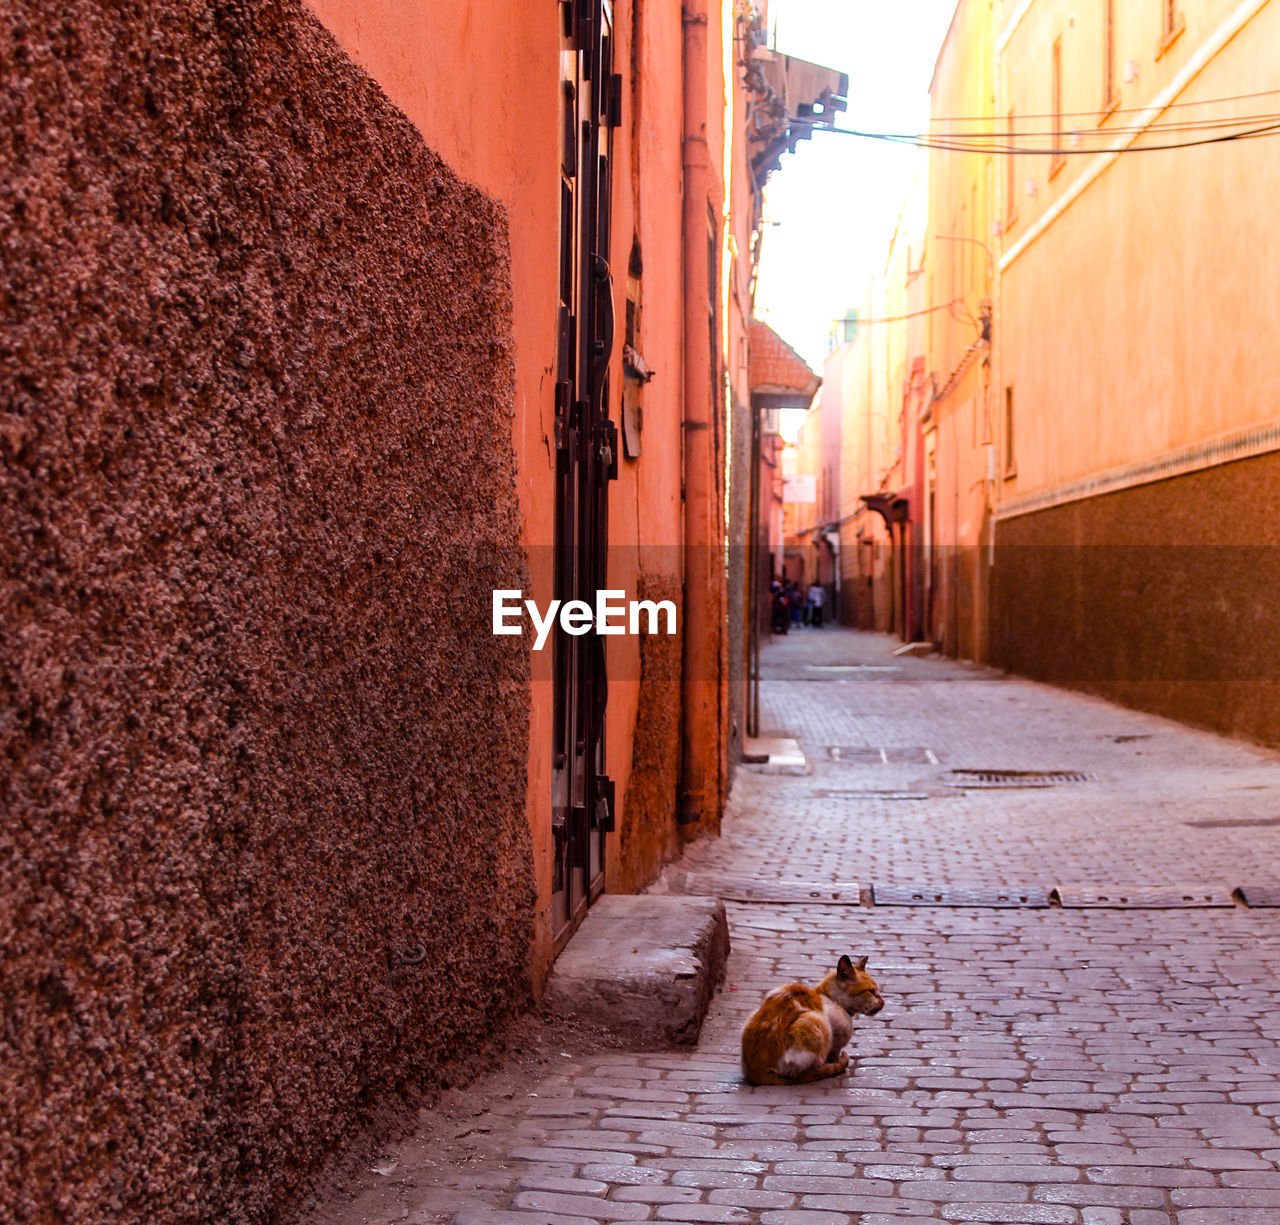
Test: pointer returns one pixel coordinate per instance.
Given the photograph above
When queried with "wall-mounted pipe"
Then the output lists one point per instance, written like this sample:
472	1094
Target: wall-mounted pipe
700	736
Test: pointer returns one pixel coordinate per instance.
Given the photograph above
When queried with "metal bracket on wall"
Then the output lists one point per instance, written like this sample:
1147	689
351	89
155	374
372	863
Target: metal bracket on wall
605	798
607	444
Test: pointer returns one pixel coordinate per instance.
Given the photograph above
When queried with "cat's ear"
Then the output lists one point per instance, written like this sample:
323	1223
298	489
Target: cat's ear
844	968
862	963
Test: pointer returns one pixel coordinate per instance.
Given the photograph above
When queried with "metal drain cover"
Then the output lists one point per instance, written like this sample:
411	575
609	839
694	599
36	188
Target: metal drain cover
854	752
1015	778
737	889
958	895
835	793
908	755
1232	822
854	667
1142	897
1260	895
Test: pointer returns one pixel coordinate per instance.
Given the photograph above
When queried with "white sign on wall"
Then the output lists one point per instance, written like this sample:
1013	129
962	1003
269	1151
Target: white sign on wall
802	487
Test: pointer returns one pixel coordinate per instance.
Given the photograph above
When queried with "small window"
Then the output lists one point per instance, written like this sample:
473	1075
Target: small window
953	262
713	300
1110	89
1010	459
1011	174
569	138
635	269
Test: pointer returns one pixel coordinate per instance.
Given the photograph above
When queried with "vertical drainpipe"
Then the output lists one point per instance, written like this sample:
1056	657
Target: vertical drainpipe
755	585
700	754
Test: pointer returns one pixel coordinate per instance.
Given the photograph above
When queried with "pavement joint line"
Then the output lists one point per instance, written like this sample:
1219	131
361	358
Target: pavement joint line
958	897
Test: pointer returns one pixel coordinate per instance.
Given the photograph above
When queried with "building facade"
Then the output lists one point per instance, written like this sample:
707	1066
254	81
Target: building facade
322	324
1139	442
960	272
864	441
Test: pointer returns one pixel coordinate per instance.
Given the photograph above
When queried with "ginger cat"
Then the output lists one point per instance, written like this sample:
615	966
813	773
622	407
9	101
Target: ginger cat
795	1036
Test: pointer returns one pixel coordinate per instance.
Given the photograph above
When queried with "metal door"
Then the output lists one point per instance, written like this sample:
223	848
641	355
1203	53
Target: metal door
586	454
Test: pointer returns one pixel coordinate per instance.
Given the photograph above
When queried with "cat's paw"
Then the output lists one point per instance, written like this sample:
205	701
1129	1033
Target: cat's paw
842	1065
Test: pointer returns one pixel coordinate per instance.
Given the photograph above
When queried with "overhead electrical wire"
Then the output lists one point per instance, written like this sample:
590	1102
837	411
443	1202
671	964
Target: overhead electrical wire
942	143
928	310
1119	110
1178	125
1010	141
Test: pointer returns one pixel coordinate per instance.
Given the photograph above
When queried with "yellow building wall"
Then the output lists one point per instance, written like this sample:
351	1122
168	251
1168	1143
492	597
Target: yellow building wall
1139	301
960	271
801	520
869	377
1138	310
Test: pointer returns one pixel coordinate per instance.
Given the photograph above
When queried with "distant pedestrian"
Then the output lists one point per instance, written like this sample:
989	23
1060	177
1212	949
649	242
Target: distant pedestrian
796	600
817	598
779	610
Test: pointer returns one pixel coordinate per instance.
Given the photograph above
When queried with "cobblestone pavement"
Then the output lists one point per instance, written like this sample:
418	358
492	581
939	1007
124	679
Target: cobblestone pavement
1089	1066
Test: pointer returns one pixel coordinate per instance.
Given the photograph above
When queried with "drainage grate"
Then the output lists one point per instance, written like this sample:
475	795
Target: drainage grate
856	753
974	779
958	895
1260	895
853	667
737	889
1232	822
905	755
835	793
1141	897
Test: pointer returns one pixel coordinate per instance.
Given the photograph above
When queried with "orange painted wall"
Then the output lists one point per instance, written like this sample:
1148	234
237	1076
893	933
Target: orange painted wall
646	526
481	82
742	225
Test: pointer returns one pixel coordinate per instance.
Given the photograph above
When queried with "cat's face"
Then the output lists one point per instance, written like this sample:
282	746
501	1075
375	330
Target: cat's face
855	990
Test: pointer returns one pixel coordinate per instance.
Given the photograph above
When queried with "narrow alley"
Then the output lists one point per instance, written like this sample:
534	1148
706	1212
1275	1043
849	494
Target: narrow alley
501	502
1081	1023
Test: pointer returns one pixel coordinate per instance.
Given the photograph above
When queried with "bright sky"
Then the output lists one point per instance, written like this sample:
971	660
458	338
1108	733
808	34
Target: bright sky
835	201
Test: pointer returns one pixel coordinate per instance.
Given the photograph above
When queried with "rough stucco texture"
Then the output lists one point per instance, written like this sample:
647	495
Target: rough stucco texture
648	834
257	741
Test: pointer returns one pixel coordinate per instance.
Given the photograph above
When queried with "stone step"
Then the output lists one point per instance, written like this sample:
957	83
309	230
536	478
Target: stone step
644	967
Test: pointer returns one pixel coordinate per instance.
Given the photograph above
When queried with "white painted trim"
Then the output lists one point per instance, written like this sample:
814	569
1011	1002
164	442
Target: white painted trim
1230	27
1014	22
1226	449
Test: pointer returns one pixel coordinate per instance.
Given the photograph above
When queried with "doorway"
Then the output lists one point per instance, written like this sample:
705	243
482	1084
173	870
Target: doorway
586	442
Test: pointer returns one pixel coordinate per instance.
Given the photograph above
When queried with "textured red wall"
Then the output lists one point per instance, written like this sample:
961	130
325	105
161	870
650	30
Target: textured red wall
256	739
1162	597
